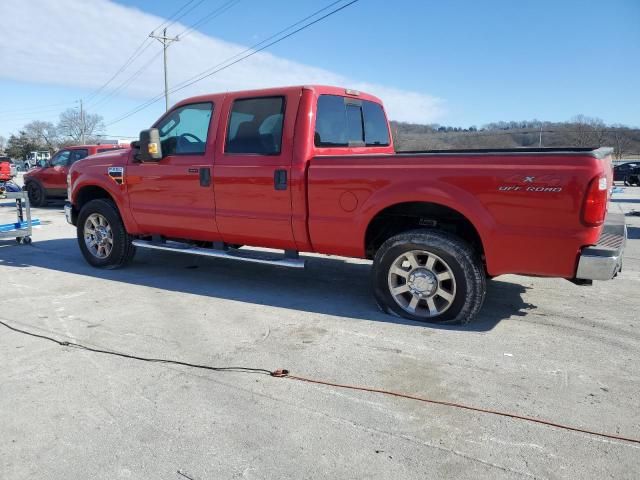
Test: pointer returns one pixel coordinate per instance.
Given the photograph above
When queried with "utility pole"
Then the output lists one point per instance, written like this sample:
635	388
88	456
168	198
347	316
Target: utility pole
540	141
82	126
165	41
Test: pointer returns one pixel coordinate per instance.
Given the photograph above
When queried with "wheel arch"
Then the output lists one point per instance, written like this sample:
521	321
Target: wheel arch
408	215
85	193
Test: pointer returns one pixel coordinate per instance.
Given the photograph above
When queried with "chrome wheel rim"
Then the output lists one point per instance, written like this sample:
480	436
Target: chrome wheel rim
422	283
98	236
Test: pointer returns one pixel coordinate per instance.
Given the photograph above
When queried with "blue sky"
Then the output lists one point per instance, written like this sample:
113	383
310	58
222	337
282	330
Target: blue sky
459	63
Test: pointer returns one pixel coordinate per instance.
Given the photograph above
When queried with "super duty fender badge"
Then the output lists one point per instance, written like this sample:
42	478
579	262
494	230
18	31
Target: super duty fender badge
116	174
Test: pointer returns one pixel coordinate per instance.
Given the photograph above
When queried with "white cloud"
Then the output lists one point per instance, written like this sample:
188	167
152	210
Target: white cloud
82	43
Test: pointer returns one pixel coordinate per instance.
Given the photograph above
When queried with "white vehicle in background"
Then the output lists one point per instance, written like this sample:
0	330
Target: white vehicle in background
35	159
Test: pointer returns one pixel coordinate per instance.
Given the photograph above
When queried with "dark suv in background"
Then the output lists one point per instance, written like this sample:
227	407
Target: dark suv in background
629	173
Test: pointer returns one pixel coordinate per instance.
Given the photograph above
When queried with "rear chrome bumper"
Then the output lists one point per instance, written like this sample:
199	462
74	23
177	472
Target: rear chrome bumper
603	261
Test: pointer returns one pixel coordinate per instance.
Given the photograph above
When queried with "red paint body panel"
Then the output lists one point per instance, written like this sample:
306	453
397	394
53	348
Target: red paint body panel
526	207
536	233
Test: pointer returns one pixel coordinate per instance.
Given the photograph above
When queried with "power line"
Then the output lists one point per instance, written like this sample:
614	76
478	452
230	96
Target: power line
137	52
251	51
179	17
127	81
146	43
214	14
35	109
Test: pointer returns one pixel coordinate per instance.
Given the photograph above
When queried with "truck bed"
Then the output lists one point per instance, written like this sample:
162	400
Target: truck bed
596	152
524	203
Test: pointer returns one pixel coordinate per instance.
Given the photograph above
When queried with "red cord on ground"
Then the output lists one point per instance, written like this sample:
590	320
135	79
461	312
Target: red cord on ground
285	374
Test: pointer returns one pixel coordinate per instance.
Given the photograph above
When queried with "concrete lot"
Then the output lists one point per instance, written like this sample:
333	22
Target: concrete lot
542	347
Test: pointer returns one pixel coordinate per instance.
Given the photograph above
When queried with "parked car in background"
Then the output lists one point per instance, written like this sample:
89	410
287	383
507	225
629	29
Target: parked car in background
33	159
49	179
8	169
629	173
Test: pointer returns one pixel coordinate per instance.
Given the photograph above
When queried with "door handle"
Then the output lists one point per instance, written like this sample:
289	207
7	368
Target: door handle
280	179
205	177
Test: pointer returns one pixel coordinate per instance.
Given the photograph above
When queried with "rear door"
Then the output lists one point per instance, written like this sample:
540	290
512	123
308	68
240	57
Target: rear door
174	197
252	171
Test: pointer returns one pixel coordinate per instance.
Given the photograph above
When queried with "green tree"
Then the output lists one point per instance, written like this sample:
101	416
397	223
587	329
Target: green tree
18	146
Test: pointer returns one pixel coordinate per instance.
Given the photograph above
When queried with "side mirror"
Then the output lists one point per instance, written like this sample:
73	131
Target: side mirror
150	148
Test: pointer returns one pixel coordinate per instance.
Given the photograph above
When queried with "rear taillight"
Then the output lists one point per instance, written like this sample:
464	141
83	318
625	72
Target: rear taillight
595	203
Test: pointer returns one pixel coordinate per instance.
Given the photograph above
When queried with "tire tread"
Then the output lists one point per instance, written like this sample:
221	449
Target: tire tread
467	258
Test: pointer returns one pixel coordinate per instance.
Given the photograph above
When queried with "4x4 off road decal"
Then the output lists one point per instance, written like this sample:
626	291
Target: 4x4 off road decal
117	174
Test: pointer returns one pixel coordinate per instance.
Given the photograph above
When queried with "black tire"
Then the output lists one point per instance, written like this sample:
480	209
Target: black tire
37	194
456	255
122	250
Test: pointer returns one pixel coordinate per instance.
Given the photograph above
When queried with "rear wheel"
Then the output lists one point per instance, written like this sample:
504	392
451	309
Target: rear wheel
429	276
102	237
37	194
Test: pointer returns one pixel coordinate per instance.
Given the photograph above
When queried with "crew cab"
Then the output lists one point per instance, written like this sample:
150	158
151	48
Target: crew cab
49	179
313	169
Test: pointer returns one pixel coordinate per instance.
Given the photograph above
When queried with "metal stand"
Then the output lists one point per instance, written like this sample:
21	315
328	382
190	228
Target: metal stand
22	229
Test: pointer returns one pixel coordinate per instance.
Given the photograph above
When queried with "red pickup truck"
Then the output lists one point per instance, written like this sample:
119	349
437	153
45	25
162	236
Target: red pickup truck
49	179
313	169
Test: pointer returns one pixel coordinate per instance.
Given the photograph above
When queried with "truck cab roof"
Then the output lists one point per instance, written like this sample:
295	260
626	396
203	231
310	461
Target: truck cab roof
265	92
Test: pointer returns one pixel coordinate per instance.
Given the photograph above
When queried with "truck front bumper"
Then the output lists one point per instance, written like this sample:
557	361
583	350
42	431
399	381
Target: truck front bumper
68	213
603	261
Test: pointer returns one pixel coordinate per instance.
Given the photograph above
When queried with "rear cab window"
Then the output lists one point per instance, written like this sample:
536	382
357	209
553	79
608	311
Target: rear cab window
255	126
349	122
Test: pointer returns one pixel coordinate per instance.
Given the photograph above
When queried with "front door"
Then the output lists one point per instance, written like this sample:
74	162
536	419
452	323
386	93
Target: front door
54	177
252	172
174	196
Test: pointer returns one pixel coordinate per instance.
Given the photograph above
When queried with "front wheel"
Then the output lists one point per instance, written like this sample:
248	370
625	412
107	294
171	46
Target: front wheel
102	237
37	194
429	276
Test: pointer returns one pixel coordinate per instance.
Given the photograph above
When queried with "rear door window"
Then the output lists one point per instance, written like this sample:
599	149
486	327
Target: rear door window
344	121
255	126
78	154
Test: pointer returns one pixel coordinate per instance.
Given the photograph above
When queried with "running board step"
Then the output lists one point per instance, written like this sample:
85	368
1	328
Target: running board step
253	256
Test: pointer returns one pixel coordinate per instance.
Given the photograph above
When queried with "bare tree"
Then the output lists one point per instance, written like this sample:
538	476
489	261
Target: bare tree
77	127
587	131
43	133
620	139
